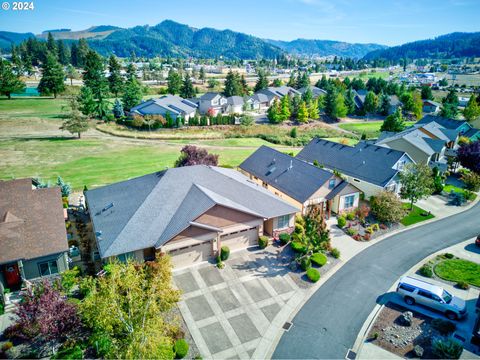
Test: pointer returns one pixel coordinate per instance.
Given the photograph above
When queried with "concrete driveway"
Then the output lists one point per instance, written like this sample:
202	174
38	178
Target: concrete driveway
237	312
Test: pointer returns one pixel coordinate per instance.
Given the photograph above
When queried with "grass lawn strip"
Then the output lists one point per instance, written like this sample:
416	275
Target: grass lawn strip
370	128
458	270
415	216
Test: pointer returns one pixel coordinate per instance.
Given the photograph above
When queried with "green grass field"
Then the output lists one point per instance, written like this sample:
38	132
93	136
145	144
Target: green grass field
371	128
458	270
415	216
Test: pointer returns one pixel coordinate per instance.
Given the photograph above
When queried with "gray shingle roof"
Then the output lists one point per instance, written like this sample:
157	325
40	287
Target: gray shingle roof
209	96
235	100
315	90
172	103
290	175
150	210
366	162
445	122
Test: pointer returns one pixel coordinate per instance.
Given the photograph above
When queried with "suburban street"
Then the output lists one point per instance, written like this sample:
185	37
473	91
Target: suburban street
328	324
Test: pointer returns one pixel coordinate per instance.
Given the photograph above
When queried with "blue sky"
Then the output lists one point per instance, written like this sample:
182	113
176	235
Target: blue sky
389	22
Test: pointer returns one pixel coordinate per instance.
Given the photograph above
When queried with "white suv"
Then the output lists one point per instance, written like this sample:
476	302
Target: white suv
432	296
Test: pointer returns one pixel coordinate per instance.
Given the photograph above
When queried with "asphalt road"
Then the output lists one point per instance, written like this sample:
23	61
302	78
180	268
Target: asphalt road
329	322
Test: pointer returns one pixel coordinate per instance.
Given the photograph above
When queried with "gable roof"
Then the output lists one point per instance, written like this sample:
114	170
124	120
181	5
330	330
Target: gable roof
290	175
150	210
278	91
430	102
31	221
259	97
235	100
445	122
209	96
366	162
316	91
172	103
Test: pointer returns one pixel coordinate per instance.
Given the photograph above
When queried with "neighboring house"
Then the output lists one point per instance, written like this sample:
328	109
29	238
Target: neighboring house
171	104
316	92
430	107
359	98
211	101
33	237
473	134
187	212
234	105
278	92
300	183
370	168
429	143
259	102
461	126
395	103
463	101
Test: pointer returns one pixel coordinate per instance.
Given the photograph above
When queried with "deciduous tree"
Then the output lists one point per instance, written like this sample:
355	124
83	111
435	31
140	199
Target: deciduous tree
417	182
469	156
75	121
387	207
192	155
394	122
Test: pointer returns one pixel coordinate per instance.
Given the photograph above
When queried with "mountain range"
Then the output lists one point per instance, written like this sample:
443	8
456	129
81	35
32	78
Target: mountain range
172	39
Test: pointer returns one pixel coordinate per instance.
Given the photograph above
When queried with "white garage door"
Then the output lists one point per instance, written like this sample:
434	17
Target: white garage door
190	255
241	239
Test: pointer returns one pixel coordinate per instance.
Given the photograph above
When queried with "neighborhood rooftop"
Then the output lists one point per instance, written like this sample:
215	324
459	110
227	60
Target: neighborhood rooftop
162	204
367	162
172	103
31	221
292	176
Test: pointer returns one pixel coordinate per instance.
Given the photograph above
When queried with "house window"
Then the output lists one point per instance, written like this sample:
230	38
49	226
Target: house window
48	268
124	257
349	201
283	221
331	184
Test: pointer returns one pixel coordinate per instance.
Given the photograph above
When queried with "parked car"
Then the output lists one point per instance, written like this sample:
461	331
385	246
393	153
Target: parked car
477	241
416	291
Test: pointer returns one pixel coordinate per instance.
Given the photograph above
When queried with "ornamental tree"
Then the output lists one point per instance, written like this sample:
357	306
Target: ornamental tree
417	182
192	155
387	207
469	156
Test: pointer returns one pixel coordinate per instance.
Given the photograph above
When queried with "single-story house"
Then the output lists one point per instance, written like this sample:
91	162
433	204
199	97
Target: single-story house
211	101
316	92
430	107
187	212
259	101
33	236
234	105
171	104
370	168
300	183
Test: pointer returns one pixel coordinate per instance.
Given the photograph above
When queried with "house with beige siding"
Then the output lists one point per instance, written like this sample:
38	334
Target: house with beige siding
187	212
299	183
370	168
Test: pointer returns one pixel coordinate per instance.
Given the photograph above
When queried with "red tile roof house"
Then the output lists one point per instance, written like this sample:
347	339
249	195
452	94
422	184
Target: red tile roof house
33	237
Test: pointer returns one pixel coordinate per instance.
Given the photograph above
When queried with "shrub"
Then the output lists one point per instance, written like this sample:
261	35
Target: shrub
305	263
387	207
362	212
180	348
351	216
462	285
375	227
471	180
426	270
299	220
284	238
319	259
313	275
224	253
369	230
366	237
341	222
7	346
356	237
445	327
447	348
69	279
352	231
383	227
469	195
299	229
70	353
263	242
335	253
449	256
298	247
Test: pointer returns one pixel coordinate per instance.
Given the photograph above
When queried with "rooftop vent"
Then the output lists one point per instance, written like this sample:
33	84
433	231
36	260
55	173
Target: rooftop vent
109	206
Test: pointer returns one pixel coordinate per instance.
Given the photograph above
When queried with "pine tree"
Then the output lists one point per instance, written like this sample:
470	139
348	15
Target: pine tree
82	52
384	106
450	105
472	110
302	115
115	79
313	110
51	45
63	53
86	101
9	81
202	75
232	85
340	110
322	83
292	81
285	108
52	81
371	103
118	109
427	92
132	94
307	95
273	112
75	122
262	81
350	102
187	90
94	76
394	122
303	80
174	82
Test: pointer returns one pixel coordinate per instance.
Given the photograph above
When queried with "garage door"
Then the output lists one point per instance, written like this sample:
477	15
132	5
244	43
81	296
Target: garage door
240	239
190	255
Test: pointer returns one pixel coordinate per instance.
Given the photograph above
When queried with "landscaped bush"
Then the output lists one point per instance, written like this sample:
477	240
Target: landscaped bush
298	247
318	259
284	238
341	222
263	242
471	180
357	237
299	229
387	207
375	227
299	220
383	227
462	285
7	346
313	275
426	270
449	256
305	263
70	353
469	195
366	237
352	231
351	216
447	348
224	253
445	327
180	348
369	230
335	253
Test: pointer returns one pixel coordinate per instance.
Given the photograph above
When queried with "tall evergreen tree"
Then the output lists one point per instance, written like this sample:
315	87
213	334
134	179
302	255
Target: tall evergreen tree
82	52
302	115
63	53
427	92
94	76
303	80
313	109
86	101
115	79
187	90
132	94
450	105
51	44
232	85
384	106
285	108
262	81
292	81
202	75
53	77
174	82
472	110
350	101
307	96
9	81
371	103
394	122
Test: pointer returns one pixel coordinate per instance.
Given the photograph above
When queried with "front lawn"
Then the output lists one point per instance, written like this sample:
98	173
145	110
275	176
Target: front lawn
415	216
459	270
370	128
